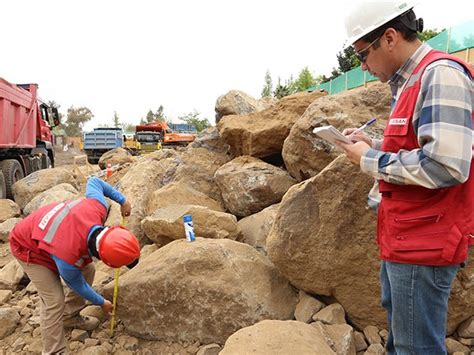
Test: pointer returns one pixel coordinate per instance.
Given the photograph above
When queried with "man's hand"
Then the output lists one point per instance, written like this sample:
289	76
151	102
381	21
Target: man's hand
126	209
358	137
107	307
354	151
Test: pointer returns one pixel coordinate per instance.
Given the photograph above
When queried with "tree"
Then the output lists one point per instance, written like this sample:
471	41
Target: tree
150	116
428	34
142	121
159	115
76	117
304	81
128	127
192	118
347	59
268	87
282	90
117	120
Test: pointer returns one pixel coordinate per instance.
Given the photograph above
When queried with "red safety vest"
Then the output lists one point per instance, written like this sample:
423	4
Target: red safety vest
59	229
417	225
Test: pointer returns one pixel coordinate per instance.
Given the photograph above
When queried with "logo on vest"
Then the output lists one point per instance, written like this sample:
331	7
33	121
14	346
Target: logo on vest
398	121
47	217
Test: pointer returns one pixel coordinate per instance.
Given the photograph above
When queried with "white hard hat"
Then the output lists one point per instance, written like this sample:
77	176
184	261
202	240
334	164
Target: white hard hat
370	15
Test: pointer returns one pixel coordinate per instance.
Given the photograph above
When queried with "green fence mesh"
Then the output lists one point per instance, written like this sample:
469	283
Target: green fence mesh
452	40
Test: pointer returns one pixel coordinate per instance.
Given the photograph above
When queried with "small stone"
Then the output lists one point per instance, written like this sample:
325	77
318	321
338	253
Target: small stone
94	311
210	349
360	343
375	349
75	345
107	346
31	288
466	328
91	342
372	335
34	321
332	314
127	342
455	346
18	345
36	346
307	307
37	332
5	296
9	319
94	350
384	335
25	312
27	329
466	341
79	335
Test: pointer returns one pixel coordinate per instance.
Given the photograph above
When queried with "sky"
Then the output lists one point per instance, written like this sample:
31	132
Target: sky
132	56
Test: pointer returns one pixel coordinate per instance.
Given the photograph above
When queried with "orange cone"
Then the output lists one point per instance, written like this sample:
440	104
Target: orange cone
108	171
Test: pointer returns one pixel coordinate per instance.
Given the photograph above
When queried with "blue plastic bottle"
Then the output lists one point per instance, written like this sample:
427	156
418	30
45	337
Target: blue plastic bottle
188	228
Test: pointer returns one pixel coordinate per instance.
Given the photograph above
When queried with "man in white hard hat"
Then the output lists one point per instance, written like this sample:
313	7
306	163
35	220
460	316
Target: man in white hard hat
424	172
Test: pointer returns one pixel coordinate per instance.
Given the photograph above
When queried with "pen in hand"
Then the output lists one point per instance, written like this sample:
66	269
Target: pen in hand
364	126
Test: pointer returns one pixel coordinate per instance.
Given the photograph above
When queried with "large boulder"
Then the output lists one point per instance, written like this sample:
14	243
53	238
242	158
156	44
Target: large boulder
261	134
138	184
235	102
8	209
11	275
115	156
211	140
201	291
9	319
59	193
248	185
276	337
6	227
180	193
166	224
305	155
27	188
255	228
323	241
197	169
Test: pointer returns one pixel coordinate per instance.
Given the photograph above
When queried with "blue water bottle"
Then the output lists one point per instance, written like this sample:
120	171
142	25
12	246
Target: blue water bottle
188	228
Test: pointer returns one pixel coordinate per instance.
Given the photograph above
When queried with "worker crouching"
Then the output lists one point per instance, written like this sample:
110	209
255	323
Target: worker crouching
59	240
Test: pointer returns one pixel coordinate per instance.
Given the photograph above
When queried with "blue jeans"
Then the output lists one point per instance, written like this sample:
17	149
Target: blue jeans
416	300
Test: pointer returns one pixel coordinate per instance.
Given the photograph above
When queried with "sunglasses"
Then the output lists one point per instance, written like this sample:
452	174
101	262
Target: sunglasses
364	53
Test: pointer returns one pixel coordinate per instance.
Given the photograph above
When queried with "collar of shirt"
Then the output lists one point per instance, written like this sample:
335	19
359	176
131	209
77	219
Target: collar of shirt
401	76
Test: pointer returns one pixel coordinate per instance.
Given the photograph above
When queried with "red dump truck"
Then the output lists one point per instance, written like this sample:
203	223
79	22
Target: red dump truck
26	139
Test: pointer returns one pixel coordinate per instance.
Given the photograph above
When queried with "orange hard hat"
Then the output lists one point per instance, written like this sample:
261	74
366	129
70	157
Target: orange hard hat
117	246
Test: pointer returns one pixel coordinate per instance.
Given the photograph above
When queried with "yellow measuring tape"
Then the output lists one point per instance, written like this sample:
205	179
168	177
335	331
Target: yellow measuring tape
116	285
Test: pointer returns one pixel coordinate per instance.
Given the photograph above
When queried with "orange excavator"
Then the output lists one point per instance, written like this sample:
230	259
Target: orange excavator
153	136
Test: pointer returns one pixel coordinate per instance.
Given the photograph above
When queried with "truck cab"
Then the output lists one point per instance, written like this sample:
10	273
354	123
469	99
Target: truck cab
26	139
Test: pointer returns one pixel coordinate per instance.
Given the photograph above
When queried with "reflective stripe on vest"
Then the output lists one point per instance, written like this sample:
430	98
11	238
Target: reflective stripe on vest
58	219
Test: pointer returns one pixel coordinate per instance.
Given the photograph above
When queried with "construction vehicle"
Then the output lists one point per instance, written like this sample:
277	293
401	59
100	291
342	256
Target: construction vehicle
101	140
149	137
153	136
130	143
26	138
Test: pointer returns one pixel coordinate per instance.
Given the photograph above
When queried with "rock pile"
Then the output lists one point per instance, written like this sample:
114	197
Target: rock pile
285	260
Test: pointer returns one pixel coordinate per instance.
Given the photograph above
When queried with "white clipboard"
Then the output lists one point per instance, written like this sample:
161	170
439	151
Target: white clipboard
331	134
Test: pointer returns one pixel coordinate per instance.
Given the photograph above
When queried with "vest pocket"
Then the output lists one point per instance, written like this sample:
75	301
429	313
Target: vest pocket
435	248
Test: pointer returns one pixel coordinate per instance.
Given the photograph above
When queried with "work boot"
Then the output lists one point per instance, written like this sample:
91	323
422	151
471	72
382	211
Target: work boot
81	322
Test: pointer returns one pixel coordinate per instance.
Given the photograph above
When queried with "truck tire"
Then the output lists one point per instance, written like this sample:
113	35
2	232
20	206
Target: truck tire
3	188
12	172
46	162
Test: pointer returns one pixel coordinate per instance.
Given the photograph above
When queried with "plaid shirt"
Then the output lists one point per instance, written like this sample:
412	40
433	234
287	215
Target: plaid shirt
442	122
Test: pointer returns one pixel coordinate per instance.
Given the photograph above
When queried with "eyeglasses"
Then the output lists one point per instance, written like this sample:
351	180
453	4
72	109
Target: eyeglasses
364	53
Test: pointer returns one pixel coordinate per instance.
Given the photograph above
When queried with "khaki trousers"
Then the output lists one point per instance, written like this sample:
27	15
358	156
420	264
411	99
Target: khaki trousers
54	305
